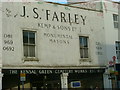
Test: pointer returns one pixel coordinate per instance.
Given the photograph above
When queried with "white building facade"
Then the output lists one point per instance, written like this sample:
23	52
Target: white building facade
1	47
110	15
110	10
48	45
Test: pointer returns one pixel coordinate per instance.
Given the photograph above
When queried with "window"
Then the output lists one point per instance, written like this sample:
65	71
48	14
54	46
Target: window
29	43
115	20
118	50
83	46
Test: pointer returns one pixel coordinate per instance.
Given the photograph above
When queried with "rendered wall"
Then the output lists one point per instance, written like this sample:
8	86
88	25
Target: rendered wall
57	42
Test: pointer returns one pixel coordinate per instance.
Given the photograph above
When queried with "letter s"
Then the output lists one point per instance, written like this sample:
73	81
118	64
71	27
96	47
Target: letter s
34	10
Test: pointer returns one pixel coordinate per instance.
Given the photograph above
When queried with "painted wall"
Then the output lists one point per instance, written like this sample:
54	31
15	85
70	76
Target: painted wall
111	33
119	21
0	36
94	5
57	42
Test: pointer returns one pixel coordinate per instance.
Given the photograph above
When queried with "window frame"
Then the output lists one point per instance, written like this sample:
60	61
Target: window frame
116	20
88	56
28	44
117	50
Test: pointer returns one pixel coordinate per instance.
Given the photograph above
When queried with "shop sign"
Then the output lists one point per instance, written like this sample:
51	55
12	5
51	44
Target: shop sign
75	84
51	71
22	76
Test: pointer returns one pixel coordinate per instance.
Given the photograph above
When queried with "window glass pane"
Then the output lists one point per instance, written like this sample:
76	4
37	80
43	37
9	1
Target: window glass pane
115	17
115	24
81	53
81	42
32	51
85	42
83	47
118	50
86	53
118	54
31	37
25	37
29	43
118	46
25	51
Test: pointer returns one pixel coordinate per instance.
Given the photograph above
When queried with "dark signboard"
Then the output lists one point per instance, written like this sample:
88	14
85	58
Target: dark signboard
51	71
76	84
